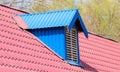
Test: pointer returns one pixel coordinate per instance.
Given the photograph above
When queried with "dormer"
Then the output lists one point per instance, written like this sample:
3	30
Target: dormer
58	30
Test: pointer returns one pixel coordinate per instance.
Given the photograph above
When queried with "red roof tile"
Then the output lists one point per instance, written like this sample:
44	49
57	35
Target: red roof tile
22	52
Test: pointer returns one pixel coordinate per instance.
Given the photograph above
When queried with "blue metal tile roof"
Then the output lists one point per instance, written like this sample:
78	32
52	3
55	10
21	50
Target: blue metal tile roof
49	19
52	19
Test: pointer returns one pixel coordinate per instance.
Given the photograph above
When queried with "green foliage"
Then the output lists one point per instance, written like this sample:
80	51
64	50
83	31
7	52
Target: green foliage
44	5
102	17
40	6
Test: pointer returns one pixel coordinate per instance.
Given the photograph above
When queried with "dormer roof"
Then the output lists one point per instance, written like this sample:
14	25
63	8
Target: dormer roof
62	18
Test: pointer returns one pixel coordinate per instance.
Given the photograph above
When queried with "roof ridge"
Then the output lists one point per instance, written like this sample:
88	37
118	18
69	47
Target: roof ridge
13	8
49	12
102	37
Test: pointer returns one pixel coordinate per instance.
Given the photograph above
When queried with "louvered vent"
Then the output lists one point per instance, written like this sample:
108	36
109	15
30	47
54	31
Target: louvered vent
72	47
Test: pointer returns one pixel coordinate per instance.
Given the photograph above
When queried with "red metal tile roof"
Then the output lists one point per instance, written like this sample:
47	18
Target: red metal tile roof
100	53
22	52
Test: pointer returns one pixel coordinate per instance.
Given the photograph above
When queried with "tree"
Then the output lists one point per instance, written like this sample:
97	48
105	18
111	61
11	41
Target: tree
44	5
102	17
19	4
40	6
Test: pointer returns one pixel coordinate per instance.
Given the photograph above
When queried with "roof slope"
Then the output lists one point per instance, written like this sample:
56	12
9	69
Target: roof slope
100	53
22	52
62	18
48	19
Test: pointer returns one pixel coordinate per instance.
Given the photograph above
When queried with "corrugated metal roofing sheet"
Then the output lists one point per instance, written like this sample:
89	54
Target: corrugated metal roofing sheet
50	19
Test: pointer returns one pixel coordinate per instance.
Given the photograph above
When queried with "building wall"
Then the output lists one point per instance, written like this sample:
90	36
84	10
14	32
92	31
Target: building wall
53	38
